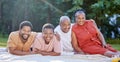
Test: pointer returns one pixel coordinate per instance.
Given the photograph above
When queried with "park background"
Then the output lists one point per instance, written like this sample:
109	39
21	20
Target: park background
106	14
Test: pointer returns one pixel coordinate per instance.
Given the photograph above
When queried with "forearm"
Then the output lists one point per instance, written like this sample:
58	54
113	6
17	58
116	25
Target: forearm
102	38
53	53
16	52
77	49
49	53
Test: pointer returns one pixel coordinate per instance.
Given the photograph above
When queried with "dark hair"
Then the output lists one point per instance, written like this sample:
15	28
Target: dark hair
48	25
25	23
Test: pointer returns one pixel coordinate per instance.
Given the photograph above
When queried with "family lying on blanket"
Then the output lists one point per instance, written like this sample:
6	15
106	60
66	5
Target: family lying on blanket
83	37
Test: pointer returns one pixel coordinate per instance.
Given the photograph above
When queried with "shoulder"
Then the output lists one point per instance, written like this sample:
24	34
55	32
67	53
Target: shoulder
33	33
39	38
55	39
14	34
71	25
38	35
57	28
90	21
74	26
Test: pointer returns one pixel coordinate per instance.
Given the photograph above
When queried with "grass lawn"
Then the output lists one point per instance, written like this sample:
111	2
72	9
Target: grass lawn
3	43
116	46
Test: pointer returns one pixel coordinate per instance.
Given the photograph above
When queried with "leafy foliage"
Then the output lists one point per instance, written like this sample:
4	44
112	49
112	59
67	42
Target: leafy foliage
12	12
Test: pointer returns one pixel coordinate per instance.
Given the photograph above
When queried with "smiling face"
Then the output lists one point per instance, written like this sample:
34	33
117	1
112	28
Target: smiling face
65	26
47	34
80	18
25	32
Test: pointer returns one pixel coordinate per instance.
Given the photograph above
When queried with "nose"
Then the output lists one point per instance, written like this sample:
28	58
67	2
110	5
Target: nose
80	20
67	27
26	32
47	35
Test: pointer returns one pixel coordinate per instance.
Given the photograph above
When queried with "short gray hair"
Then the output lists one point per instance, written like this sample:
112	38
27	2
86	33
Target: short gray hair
62	18
79	12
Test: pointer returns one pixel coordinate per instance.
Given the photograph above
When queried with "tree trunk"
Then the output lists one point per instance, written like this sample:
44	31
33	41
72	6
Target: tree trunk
49	15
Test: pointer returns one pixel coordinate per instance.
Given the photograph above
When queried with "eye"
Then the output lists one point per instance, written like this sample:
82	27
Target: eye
83	18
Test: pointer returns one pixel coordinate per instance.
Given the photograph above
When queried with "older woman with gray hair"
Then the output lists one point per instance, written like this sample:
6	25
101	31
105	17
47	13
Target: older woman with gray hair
88	39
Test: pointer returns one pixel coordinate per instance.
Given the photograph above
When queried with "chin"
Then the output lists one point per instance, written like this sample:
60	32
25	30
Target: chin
66	31
81	23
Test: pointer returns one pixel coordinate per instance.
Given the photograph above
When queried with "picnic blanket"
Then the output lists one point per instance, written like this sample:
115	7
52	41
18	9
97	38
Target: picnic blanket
7	57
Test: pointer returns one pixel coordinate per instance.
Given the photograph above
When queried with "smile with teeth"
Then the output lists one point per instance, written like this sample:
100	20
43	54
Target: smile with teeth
48	38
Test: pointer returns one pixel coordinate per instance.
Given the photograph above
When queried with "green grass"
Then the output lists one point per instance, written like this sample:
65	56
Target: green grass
113	41
116	46
3	41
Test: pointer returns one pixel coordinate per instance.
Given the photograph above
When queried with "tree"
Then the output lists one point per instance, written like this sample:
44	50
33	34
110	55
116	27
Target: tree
103	7
38	12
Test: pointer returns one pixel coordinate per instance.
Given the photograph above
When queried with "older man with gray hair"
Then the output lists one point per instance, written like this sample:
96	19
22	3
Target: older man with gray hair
64	31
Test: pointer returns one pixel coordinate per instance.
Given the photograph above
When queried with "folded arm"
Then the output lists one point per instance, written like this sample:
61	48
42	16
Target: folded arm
44	53
13	50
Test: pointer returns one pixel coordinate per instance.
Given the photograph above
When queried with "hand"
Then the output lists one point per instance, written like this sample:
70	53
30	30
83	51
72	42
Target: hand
104	45
79	52
92	20
42	52
32	52
38	51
